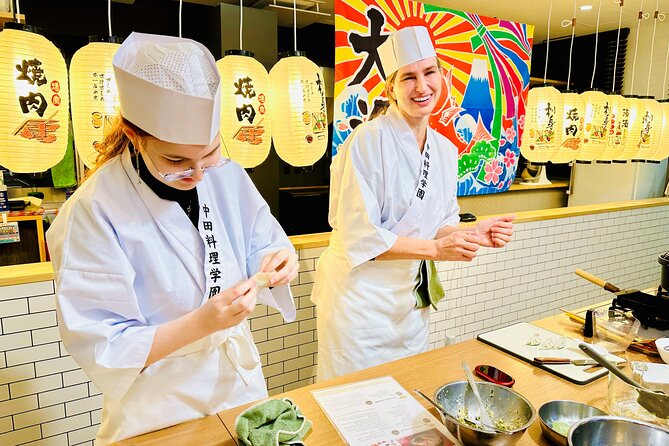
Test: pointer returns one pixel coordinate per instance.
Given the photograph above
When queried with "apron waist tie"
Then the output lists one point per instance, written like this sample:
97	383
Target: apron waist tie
239	350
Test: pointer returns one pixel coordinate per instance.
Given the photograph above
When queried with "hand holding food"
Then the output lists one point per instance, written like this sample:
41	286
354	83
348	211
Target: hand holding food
282	265
229	307
495	232
457	246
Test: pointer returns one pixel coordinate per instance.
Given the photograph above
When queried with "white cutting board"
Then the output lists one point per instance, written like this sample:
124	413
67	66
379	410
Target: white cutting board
514	339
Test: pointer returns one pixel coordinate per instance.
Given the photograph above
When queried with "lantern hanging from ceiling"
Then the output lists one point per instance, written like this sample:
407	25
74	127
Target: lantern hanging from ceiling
94	95
34	95
543	124
572	128
617	131
663	147
651	128
246	120
595	125
300	131
634	124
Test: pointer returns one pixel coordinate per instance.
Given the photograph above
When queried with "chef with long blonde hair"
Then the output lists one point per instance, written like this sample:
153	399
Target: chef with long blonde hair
393	212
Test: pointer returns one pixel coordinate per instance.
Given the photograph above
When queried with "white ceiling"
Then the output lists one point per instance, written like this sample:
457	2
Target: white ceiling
526	11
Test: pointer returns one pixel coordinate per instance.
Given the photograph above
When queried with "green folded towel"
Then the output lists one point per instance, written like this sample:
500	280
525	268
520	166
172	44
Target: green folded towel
63	174
428	290
272	423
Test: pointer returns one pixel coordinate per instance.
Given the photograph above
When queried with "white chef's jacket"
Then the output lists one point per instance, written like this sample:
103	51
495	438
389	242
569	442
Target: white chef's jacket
366	311
127	261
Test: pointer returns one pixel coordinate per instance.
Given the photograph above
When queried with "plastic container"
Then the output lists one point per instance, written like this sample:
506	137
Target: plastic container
615	329
621	398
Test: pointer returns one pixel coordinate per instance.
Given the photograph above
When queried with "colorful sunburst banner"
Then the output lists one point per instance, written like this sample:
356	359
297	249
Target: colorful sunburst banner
486	79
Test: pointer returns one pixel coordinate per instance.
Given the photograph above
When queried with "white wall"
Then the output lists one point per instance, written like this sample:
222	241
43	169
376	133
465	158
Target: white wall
45	399
643	59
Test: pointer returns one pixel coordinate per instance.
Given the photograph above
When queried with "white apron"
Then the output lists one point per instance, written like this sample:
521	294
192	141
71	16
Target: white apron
127	261
366	311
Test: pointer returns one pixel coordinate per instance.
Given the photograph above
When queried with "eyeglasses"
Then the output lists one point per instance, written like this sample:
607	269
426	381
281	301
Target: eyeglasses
183	174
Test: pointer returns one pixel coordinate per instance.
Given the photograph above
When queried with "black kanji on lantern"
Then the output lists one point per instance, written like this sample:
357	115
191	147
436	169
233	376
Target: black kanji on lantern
31	71
245	87
246	111
370	45
33	102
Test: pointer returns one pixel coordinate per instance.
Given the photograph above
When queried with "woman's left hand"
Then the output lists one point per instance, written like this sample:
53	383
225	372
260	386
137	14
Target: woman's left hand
495	232
284	262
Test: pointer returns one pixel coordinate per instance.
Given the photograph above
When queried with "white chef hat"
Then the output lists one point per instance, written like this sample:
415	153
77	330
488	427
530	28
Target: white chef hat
169	87
404	47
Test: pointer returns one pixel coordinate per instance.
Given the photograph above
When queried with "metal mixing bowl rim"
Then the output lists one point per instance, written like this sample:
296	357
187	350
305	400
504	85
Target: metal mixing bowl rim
612	418
544	423
524	427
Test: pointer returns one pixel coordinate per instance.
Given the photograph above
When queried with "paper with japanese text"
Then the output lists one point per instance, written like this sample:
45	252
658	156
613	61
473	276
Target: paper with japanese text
380	412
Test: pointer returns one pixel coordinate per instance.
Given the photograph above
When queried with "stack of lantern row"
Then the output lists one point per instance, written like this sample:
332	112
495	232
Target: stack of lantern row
287	105
593	126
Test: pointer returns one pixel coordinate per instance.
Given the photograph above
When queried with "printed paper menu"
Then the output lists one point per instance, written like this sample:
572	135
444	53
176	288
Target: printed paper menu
380	412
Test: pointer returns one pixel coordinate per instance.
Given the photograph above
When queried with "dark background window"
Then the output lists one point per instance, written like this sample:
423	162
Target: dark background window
583	57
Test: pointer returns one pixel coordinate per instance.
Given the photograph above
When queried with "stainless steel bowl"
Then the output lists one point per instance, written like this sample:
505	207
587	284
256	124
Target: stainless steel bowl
510	410
557	417
616	431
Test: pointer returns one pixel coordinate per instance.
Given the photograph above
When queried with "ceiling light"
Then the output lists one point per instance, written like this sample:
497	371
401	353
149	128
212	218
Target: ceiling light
585	7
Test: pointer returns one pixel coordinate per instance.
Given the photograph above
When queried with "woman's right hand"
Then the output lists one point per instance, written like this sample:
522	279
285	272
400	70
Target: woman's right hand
229	307
458	246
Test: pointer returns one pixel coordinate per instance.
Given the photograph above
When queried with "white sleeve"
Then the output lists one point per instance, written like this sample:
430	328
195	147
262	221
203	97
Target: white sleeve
100	321
359	200
452	217
263	235
453	214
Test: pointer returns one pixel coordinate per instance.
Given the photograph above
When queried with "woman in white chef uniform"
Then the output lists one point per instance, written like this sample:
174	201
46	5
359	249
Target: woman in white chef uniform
392	205
155	252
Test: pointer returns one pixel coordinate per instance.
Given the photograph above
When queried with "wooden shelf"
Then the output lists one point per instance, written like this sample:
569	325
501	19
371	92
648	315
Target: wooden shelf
9	17
535	81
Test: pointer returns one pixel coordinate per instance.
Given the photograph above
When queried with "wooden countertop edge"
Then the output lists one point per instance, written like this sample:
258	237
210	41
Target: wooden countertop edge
25	273
517	187
37	272
322	239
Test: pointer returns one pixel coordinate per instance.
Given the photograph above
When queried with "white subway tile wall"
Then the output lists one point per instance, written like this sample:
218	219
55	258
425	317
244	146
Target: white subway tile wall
45	399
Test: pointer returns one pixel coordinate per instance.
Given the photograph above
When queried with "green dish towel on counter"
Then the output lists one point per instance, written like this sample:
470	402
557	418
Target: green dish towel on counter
428	291
272	423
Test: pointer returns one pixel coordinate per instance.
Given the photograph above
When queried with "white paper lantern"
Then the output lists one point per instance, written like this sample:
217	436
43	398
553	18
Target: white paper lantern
543	124
617	133
595	125
651	128
246	118
300	130
94	95
571	136
634	124
34	101
663	146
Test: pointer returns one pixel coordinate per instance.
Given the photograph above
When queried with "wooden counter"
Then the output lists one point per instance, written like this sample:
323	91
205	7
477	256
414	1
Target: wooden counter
323	239
25	273
207	431
430	370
